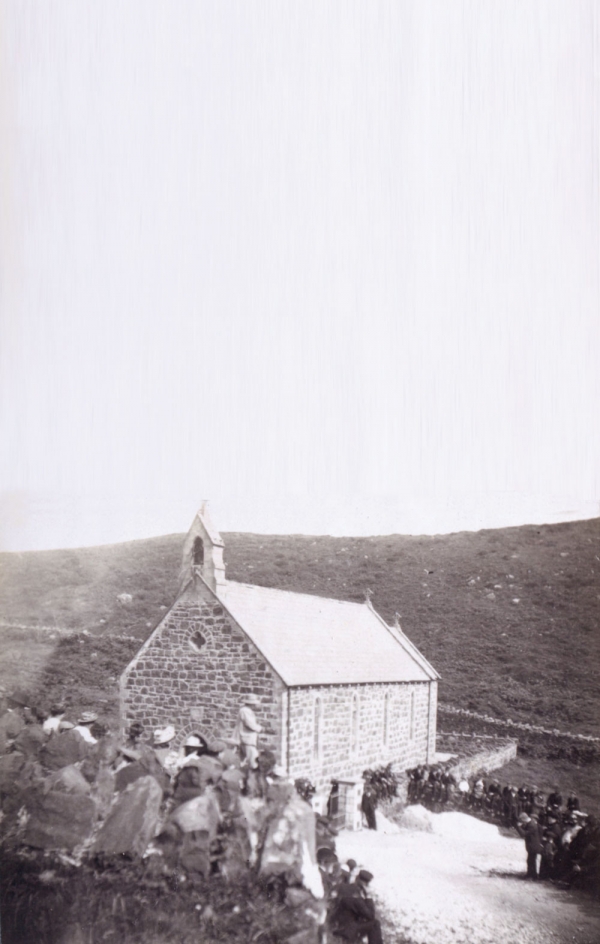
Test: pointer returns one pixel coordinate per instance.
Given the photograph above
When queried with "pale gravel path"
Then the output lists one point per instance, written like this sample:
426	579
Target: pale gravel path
439	887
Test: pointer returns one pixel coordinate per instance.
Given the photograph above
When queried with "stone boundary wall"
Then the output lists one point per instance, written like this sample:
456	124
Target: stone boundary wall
486	760
517	725
6	624
64	631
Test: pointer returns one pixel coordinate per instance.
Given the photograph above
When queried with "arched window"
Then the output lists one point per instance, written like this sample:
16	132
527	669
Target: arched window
198	552
354	724
412	716
318	730
386	719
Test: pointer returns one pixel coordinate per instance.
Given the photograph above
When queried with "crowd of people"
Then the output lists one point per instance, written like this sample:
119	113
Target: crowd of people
561	840
233	768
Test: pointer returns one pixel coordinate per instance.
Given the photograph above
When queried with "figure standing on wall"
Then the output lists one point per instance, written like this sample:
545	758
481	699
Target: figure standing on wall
247	731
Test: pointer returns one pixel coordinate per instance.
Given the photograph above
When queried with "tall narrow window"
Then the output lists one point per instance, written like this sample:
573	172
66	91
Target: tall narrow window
354	724
318	730
198	552
412	716
386	719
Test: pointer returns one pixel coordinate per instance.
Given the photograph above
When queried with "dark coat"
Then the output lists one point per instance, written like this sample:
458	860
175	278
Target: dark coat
351	912
532	834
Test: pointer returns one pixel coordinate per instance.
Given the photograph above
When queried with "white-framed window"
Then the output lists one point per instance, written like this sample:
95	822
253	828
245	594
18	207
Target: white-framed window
318	729
354	723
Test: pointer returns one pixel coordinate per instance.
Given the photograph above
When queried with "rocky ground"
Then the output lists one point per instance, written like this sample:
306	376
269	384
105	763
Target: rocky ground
463	883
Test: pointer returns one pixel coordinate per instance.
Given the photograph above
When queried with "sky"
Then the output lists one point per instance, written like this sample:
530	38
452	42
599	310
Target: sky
331	265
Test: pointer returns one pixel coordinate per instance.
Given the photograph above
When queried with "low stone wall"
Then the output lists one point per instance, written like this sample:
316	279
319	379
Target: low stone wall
514	725
486	760
534	741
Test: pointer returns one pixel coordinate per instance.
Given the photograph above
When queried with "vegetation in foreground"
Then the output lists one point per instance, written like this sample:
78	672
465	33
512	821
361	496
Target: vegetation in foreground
122	900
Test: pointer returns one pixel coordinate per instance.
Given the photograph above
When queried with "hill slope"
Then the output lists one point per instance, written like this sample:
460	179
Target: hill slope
510	618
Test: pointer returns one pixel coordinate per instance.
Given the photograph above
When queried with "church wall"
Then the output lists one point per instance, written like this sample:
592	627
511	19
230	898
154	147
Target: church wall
339	731
200	691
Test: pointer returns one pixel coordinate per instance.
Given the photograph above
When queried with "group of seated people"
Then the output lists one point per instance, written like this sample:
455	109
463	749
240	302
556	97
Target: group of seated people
567	839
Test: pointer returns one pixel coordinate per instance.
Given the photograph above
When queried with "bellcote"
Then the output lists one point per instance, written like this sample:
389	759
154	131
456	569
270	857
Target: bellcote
203	552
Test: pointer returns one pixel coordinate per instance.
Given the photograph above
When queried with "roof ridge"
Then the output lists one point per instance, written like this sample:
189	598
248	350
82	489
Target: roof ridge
295	593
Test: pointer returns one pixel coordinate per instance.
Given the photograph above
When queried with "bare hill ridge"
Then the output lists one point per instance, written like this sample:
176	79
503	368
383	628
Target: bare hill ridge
509	617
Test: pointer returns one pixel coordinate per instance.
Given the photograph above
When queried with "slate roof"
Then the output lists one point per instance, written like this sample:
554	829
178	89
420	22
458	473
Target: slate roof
312	640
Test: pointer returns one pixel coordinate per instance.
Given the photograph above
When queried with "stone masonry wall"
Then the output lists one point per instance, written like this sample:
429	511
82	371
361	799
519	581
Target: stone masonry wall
486	760
198	686
351	739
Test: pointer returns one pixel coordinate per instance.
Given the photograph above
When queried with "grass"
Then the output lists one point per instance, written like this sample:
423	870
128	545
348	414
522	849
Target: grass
509	617
535	660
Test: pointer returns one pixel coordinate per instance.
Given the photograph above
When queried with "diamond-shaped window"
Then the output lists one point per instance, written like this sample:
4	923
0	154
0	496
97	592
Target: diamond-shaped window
197	641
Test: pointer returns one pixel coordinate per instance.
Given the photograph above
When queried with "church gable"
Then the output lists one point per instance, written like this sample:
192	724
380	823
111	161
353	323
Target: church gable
194	671
338	689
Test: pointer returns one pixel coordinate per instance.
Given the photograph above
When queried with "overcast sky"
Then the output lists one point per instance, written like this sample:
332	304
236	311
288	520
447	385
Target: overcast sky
332	265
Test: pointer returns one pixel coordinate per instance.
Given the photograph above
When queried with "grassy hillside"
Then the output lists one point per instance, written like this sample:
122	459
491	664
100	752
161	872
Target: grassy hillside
510	618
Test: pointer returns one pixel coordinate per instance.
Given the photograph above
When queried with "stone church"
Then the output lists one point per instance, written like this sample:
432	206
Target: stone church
340	690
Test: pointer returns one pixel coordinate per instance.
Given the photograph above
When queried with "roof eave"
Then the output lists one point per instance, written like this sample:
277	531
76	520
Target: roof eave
408	646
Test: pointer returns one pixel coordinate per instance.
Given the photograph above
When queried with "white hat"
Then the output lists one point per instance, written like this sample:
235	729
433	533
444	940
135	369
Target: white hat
251	699
164	735
193	741
88	717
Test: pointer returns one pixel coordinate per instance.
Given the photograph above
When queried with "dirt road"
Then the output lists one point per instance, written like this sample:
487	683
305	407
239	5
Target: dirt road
463	884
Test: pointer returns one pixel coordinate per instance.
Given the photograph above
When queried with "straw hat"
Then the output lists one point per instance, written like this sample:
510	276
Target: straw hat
164	735
88	717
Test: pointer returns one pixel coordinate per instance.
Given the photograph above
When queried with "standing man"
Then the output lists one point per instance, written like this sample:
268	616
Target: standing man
531	831
248	730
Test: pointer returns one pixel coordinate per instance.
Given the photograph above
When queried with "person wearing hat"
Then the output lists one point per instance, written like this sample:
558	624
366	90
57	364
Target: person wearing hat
196	771
353	914
161	745
554	801
552	835
248	730
134	735
530	830
83	726
329	869
573	802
